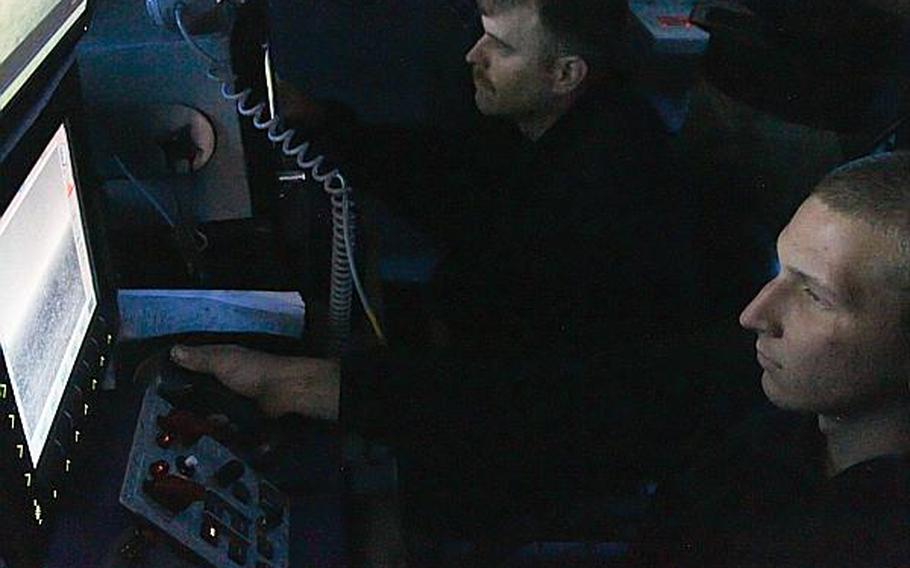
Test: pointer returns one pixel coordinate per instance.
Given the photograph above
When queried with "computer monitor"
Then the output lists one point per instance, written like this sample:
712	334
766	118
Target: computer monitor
57	311
47	289
30	31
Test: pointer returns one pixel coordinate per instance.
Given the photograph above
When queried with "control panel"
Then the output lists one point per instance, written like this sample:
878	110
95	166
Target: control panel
182	477
39	487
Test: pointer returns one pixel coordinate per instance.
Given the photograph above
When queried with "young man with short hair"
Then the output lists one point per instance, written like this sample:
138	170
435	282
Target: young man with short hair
832	342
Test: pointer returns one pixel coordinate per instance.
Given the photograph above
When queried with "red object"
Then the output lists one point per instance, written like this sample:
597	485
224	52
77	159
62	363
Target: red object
674	21
165	439
159	469
174	493
186	426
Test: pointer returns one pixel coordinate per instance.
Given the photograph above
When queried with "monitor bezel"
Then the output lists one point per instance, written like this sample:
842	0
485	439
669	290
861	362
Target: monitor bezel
63	108
30	91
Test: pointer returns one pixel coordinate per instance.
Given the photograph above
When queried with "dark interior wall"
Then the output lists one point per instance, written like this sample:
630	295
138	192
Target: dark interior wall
398	61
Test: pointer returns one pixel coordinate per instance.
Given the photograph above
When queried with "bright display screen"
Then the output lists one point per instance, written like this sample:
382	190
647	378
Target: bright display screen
29	31
47	290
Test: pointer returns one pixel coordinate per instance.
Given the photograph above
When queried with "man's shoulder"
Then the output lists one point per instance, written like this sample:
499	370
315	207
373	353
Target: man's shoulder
882	482
615	127
618	113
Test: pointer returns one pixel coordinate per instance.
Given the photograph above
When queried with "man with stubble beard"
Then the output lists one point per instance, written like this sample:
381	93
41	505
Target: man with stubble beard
566	258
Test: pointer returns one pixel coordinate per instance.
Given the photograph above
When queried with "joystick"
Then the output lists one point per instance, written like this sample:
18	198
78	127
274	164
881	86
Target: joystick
204	396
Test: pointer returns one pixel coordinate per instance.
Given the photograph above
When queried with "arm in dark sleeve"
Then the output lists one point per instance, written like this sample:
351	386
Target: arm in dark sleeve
515	412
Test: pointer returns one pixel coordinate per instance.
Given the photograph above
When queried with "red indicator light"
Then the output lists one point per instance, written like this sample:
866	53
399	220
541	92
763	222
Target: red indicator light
165	439
674	21
159	469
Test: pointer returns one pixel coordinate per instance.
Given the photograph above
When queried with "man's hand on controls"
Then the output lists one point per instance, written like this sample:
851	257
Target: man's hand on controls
280	385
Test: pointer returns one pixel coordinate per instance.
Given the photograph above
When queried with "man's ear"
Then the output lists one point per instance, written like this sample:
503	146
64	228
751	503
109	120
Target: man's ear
569	71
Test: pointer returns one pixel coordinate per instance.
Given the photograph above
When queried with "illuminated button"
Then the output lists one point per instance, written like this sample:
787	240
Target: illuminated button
20	450
3	391
269	520
159	469
164	440
11	419
28	479
209	532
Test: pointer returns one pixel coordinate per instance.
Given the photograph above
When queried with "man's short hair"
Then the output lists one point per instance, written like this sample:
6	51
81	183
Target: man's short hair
596	30
875	189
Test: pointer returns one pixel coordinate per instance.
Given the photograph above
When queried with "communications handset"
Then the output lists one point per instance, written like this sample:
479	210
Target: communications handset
344	280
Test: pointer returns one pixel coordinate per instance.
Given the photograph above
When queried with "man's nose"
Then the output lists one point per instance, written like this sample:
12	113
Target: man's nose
473	55
761	315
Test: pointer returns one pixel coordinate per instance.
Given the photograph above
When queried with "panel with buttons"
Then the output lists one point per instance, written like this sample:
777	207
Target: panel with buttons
33	488
186	483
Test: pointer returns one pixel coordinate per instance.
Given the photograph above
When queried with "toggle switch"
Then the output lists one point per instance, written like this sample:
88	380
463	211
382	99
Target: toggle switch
186	465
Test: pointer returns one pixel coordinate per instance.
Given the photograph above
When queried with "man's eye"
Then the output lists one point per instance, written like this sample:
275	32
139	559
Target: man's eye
815	297
500	46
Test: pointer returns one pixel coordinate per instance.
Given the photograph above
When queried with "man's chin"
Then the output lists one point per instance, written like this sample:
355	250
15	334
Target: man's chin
772	391
482	100
775	394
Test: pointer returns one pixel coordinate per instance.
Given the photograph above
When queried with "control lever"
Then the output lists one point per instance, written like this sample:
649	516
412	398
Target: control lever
172	492
204	396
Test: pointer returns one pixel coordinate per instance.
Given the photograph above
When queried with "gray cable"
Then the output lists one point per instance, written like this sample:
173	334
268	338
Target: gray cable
344	278
155	203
